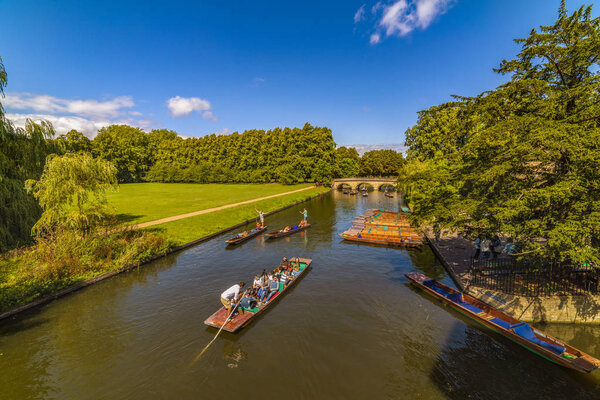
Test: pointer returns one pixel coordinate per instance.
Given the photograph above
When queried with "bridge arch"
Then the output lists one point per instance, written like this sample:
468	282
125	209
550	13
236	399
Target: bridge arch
375	182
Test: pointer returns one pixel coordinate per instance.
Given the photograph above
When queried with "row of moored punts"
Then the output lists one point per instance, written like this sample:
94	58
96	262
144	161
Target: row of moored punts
383	227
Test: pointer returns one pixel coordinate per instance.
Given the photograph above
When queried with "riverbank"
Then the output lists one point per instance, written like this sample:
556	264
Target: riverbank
178	235
455	254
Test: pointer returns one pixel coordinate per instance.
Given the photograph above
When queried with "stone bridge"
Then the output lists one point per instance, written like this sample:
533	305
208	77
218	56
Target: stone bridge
354	183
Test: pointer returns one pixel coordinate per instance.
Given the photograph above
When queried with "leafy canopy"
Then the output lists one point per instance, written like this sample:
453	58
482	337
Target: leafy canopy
523	159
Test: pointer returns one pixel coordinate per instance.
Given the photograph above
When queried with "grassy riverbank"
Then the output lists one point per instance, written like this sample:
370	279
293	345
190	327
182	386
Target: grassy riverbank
135	203
50	266
188	229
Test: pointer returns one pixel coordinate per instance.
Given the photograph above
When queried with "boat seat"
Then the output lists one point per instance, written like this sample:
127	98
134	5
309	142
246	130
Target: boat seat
524	330
455	297
501	322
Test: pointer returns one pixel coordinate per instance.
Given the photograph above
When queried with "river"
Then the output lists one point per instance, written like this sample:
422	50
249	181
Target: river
353	328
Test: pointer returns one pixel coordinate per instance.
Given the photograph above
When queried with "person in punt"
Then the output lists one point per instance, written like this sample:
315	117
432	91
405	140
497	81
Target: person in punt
273	285
231	297
286	229
284	262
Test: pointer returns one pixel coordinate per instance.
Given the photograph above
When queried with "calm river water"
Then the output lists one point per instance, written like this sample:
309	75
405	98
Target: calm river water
353	328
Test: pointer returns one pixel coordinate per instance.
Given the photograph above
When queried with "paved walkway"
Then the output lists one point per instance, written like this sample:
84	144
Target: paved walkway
209	210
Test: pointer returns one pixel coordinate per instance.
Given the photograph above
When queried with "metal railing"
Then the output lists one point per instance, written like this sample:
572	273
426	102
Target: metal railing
531	279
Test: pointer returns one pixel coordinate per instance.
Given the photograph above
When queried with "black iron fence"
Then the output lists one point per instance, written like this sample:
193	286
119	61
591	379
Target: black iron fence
530	279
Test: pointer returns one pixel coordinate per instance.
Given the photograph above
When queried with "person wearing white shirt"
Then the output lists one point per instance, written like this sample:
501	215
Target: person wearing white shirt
231	296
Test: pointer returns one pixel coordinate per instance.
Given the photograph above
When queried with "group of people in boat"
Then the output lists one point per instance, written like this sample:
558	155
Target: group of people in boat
259	225
264	287
302	222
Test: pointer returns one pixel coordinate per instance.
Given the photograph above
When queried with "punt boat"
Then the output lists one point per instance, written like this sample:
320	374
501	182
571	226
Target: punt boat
519	332
391	196
244	319
282	233
240	238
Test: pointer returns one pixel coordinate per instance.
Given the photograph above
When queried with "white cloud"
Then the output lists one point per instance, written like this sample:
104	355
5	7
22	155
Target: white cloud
401	17
61	124
86	116
54	105
360	14
224	131
184	106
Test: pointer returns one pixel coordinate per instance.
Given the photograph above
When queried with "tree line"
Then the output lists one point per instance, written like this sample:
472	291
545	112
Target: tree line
523	159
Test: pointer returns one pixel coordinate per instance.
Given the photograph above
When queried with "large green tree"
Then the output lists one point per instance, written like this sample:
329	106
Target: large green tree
381	163
71	192
127	148
22	156
523	159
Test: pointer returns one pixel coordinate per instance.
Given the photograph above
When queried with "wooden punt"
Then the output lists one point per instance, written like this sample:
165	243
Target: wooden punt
520	332
365	194
389	195
241	320
281	233
237	239
408	241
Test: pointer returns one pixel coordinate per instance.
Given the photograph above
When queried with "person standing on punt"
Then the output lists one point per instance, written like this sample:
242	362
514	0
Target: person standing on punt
261	215
305	214
231	296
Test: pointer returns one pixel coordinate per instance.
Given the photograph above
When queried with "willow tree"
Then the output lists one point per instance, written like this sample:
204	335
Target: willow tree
72	193
524	159
22	156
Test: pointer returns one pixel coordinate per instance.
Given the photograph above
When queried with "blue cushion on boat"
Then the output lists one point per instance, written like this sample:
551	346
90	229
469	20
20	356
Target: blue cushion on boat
455	297
471	307
429	282
502	323
524	330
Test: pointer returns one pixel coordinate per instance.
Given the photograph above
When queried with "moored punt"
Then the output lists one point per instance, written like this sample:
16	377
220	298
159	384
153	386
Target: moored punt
239	238
365	194
281	232
241	320
413	241
520	332
389	195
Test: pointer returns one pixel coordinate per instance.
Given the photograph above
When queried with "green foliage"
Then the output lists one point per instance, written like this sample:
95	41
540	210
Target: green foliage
381	163
22	155
127	148
74	142
346	168
71	191
522	159
53	264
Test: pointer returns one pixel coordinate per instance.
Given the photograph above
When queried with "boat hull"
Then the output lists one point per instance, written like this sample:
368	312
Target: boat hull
236	241
278	234
217	319
580	361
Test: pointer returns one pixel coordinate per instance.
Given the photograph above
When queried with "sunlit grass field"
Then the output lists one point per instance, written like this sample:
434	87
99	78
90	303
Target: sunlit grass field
141	202
188	229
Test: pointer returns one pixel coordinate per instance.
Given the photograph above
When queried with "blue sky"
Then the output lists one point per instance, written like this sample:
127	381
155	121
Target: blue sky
200	67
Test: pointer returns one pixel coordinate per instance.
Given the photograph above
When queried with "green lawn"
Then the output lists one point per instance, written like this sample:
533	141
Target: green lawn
188	229
141	202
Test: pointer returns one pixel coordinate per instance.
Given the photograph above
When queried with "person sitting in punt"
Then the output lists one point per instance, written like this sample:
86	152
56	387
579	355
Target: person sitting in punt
286	229
231	296
262	287
248	301
302	223
258	226
273	286
284	262
283	277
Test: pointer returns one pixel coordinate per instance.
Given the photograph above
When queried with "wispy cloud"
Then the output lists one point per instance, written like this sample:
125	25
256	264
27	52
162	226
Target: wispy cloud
401	17
86	116
184	106
360	14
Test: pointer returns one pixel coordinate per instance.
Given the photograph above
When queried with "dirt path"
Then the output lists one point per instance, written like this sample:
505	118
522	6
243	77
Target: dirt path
209	210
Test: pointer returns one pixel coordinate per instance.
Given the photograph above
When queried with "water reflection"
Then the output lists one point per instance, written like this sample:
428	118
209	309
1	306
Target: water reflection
353	328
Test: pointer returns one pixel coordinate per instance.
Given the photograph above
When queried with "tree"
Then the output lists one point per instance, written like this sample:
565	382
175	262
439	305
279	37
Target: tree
381	163
346	168
75	141
127	148
523	159
71	192
22	155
